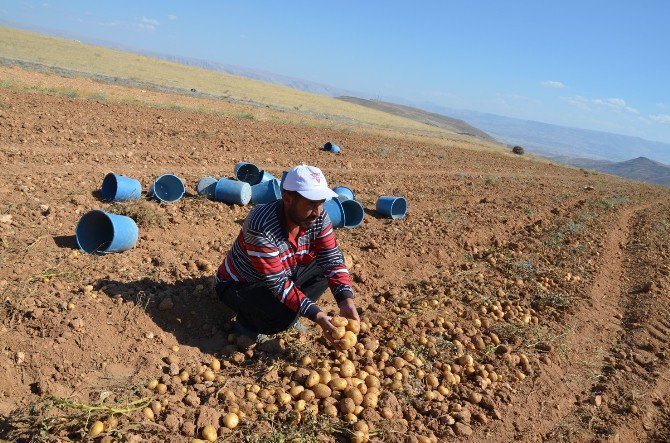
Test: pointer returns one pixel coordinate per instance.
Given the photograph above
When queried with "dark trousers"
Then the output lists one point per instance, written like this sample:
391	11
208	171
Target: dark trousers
259	310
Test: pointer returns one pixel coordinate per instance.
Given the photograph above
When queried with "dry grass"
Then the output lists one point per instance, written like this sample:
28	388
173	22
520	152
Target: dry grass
270	101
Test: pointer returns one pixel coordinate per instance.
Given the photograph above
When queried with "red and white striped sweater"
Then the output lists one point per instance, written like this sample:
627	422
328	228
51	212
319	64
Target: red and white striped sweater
264	252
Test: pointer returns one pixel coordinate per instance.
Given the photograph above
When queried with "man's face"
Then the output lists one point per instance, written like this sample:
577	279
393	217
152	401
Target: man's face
301	211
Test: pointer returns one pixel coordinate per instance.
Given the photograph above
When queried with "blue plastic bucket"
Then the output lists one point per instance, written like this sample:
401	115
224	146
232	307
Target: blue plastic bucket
266	177
393	207
335	211
99	232
248	172
331	147
265	192
118	188
206	186
344	193
353	213
167	188
232	191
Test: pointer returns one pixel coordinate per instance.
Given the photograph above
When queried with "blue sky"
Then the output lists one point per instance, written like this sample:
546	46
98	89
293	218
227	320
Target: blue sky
600	65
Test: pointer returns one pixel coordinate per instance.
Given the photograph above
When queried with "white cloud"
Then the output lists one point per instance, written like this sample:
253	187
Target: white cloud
172	17
662	105
146	24
553	84
613	104
660	118
150	21
578	101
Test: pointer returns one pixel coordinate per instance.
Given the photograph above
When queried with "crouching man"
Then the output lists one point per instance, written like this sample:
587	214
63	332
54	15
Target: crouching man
284	258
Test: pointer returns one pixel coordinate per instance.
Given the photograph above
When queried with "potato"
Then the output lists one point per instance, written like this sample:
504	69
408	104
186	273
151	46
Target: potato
338	333
362	426
353	326
300	405
148	413
215	365
354	394
338	384
330	410
231	420
370	400
312	379
322	391
301	374
208	375
152	384
184	376
347	405
296	390
350	418
339	321
284	398
156	407
359	437
307	395
209	433
325	376
465	360
161	388
348	341
96	429
347	369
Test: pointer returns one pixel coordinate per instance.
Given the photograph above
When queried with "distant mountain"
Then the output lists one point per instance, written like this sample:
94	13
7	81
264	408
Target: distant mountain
429	118
548	139
640	168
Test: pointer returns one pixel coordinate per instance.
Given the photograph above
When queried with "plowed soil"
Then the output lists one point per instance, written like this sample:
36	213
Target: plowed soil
555	279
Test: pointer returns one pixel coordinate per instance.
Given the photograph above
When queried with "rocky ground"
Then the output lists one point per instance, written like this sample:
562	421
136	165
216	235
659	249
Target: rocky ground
518	300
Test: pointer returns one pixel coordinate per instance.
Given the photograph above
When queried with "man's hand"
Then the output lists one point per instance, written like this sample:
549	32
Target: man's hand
348	309
328	328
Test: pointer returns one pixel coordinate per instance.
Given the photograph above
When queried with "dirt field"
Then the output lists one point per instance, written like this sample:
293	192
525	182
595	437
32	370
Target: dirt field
518	300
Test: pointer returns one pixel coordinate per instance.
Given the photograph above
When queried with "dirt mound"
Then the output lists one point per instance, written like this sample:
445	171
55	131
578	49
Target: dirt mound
517	300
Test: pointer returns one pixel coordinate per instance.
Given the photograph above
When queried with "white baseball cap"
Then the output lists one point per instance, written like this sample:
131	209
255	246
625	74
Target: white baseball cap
309	182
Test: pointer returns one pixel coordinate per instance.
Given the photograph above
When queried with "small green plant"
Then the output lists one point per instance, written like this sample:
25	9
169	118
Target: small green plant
518	150
247	116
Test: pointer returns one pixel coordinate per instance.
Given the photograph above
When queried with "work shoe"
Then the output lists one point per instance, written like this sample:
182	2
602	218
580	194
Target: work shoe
298	326
256	337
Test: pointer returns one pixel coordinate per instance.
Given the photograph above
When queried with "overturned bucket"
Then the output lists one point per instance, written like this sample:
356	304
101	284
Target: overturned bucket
353	213
335	211
119	188
206	187
393	207
331	147
265	192
344	193
167	188
99	232
248	172
266	177
232	191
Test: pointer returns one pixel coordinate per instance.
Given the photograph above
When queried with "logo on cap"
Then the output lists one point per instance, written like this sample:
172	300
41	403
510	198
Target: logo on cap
316	176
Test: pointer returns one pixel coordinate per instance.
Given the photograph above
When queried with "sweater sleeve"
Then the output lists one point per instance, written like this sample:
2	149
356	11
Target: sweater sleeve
331	260
264	257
